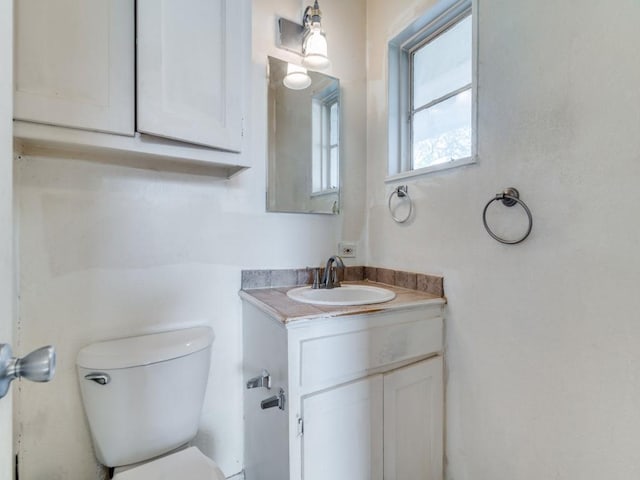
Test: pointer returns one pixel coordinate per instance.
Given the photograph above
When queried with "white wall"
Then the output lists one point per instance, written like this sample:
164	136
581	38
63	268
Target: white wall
542	338
6	222
108	251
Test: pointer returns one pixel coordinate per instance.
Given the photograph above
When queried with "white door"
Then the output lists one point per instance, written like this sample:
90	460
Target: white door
342	437
189	68
6	257
413	422
75	64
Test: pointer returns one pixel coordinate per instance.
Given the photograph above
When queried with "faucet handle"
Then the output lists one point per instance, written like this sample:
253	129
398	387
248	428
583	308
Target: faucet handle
316	278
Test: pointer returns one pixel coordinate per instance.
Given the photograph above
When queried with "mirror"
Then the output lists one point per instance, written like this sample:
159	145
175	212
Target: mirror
304	144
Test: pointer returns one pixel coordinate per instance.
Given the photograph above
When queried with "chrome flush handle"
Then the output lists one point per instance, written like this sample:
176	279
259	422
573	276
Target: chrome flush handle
98	377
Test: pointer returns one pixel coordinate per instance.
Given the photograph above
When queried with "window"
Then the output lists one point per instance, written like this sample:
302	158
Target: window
326	151
431	93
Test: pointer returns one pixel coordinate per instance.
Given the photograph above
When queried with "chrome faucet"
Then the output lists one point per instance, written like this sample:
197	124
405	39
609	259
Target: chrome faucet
330	278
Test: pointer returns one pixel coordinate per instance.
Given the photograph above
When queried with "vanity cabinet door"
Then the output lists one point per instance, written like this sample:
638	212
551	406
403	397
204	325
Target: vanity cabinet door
413	422
190	70
74	64
343	432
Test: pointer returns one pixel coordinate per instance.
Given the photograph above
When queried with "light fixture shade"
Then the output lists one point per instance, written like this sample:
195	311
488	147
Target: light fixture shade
314	48
296	77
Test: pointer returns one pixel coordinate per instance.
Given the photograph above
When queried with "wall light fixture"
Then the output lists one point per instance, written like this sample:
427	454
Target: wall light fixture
296	78
307	40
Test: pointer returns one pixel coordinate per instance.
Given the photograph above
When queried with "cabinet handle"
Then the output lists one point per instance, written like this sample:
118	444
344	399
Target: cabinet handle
264	380
275	401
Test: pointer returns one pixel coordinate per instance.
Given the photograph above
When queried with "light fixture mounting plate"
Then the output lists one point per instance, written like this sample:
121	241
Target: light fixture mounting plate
290	35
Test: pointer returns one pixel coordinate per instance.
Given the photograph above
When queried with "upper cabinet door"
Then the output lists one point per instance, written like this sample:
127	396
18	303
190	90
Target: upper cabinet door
74	64
190	56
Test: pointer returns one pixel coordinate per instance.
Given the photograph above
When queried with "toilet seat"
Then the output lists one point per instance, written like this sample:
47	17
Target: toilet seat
188	464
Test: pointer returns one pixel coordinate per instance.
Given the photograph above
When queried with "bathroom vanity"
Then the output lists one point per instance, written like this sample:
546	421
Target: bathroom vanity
362	388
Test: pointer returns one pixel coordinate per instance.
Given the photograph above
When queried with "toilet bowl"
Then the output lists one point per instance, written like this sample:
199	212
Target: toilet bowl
143	397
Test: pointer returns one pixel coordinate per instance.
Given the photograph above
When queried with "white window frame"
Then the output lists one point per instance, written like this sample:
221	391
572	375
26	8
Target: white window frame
437	20
323	156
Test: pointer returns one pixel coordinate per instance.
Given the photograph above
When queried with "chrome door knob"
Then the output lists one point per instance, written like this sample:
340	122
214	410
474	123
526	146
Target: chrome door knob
38	366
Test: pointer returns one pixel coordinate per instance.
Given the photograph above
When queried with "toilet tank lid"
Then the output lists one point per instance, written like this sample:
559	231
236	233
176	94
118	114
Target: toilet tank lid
144	350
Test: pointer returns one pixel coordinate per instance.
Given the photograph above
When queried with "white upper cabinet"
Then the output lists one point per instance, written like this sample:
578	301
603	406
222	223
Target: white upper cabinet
189	71
77	94
74	64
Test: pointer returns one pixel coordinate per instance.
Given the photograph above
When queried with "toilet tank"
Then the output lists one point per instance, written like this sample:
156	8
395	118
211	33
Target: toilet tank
143	395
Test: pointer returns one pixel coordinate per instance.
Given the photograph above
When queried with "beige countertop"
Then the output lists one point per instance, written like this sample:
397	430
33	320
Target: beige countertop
275	302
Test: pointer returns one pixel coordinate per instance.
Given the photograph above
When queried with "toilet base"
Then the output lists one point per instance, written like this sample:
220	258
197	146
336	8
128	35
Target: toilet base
113	471
187	464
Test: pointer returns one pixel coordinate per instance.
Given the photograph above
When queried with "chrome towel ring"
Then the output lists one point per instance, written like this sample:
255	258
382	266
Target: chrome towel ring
509	196
401	191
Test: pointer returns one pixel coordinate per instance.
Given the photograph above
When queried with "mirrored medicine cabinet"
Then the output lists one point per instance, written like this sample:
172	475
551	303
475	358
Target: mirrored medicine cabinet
304	144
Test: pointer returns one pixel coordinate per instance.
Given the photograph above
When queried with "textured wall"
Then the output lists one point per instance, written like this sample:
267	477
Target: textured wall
108	251
6	222
542	338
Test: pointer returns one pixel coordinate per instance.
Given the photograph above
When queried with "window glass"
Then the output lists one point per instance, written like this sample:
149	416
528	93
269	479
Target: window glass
334	167
443	64
442	132
334	123
326	158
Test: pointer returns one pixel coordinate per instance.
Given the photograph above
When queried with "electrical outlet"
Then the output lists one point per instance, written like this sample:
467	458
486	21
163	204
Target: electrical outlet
347	249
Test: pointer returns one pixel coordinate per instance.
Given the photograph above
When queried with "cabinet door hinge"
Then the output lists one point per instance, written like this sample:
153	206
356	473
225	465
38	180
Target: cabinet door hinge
300	426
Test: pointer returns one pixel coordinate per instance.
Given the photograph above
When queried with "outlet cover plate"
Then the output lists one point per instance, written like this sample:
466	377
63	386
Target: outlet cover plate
347	249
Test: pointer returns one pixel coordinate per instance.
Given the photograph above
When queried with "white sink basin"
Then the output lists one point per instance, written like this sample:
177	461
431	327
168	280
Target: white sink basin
342	296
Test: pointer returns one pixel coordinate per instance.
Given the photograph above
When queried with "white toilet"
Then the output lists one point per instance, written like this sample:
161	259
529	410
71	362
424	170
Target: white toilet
143	397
